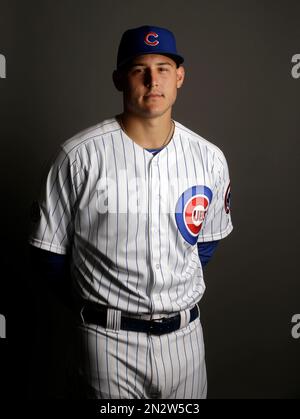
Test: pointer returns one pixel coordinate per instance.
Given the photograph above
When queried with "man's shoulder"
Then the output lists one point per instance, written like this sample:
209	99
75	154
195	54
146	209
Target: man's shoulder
198	139
91	133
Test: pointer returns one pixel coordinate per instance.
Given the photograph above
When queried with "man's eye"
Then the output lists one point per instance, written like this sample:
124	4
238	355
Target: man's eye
137	70
163	69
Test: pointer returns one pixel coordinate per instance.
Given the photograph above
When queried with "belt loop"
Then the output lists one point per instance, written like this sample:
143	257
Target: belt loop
185	317
113	320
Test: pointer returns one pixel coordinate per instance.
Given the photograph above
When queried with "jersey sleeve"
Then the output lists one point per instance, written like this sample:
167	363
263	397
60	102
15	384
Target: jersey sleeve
52	215
217	223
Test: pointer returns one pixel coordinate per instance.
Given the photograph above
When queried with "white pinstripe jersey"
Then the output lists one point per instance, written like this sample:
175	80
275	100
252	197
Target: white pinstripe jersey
132	220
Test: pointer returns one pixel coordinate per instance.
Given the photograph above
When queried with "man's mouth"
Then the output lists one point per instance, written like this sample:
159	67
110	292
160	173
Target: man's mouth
153	95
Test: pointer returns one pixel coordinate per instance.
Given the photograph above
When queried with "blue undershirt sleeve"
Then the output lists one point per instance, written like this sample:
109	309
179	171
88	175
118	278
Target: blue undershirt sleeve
53	269
206	250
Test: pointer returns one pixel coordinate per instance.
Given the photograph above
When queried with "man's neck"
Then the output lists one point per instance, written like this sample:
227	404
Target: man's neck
147	132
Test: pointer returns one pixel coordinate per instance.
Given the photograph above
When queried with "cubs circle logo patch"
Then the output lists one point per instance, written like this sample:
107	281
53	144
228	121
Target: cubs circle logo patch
149	39
190	211
227	199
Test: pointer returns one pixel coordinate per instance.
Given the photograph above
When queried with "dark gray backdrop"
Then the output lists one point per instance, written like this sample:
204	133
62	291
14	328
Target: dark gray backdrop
239	93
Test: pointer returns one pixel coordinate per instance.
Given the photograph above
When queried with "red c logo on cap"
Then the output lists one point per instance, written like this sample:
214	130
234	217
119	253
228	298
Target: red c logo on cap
152	43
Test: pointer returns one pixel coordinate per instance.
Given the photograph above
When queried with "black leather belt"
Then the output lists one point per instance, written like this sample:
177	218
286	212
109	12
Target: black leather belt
155	327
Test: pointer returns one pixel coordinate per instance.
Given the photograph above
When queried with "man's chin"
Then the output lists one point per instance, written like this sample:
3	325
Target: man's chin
154	113
149	112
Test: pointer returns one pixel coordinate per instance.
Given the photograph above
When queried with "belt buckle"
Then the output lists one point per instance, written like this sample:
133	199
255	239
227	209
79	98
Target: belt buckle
153	327
160	327
156	327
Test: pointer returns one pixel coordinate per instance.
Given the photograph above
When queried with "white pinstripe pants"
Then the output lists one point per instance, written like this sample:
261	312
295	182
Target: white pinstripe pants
131	365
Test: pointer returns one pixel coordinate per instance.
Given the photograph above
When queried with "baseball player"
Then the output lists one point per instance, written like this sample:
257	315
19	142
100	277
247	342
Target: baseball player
134	207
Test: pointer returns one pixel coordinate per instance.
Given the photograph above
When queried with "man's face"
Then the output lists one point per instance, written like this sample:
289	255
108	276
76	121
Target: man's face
150	85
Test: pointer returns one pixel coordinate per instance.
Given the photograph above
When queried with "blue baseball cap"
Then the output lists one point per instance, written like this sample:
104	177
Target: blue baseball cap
147	40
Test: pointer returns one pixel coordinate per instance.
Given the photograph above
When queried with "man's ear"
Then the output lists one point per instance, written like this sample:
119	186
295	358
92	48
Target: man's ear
118	80
180	76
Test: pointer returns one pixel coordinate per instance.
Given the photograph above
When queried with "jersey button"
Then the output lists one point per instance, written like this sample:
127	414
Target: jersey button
157	266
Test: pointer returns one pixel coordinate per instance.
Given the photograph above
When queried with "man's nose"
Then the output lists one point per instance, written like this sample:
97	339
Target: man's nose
151	78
